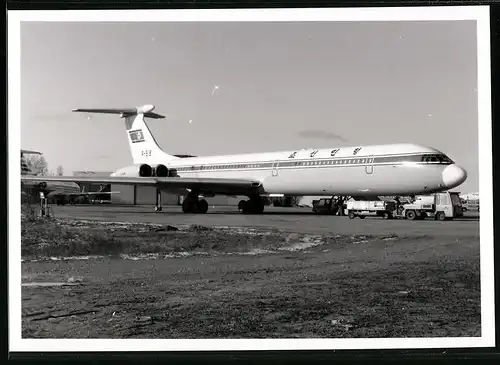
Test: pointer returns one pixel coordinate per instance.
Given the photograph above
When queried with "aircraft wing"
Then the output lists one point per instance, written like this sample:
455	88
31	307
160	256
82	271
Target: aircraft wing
93	193
215	185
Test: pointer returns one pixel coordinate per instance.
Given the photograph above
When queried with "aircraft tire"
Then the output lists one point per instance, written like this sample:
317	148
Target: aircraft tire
253	206
258	206
202	206
188	206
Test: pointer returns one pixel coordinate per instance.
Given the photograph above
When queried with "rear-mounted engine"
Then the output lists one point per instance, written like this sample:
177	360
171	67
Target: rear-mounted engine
145	171
161	171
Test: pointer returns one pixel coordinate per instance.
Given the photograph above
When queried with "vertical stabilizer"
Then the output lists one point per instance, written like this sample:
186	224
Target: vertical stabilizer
143	145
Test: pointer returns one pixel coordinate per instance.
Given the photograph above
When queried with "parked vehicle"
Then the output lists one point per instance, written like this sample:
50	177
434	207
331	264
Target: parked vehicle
325	206
440	206
363	208
470	205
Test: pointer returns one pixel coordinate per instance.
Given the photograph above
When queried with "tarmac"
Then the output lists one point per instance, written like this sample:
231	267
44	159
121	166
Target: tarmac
301	220
343	279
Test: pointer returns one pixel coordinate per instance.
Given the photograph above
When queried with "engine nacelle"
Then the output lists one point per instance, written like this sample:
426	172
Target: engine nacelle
161	171
145	170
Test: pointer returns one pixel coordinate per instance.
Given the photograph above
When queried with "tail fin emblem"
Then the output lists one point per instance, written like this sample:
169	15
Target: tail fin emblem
136	136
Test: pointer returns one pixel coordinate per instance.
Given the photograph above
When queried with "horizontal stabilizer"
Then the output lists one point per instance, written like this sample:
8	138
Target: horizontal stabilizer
30	152
146	110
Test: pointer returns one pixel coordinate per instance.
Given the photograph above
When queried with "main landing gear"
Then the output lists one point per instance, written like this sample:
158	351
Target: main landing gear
192	204
158	207
253	206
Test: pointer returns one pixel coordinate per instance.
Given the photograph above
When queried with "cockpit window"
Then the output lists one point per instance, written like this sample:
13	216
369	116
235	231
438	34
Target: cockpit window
445	159
439	158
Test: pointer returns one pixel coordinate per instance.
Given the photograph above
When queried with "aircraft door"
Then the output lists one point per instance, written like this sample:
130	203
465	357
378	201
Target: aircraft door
275	168
369	165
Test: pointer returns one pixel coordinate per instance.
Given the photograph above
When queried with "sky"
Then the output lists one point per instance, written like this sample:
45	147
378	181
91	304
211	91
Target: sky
282	86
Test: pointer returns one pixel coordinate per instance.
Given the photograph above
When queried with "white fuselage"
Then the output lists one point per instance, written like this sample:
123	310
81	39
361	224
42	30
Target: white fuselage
396	169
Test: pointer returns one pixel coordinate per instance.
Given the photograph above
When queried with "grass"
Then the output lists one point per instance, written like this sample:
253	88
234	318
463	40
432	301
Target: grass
51	237
359	287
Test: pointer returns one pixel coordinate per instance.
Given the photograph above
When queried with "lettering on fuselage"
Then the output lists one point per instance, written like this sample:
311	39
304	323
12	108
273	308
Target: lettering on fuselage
422	158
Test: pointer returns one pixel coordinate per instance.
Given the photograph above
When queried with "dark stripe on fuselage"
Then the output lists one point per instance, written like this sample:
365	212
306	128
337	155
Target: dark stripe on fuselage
427	158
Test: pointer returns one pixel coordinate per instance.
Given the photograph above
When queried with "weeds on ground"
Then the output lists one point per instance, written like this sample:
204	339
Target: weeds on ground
45	237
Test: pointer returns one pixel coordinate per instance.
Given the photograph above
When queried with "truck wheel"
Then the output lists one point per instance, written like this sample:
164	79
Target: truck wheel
361	217
387	215
411	215
440	216
352	215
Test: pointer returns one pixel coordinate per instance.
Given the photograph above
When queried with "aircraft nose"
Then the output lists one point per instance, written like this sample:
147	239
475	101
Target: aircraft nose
453	176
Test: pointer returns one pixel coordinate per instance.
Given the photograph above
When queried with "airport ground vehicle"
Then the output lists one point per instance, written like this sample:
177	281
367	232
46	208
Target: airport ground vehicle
327	206
440	206
470	205
362	208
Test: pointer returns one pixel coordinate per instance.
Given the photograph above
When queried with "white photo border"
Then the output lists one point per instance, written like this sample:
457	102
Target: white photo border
479	13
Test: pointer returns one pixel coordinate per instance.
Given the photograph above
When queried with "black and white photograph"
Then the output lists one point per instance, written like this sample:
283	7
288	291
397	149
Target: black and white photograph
283	178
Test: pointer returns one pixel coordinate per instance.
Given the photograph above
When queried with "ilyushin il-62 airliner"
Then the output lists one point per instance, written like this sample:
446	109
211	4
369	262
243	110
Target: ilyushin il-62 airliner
358	171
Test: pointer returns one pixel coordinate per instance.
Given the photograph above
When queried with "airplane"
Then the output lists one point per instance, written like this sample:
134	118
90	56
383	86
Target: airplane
60	191
357	171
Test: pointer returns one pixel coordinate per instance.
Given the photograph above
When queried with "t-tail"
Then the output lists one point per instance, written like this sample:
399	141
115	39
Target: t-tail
143	146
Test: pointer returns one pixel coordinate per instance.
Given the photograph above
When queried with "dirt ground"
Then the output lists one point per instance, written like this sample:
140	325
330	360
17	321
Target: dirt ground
97	280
